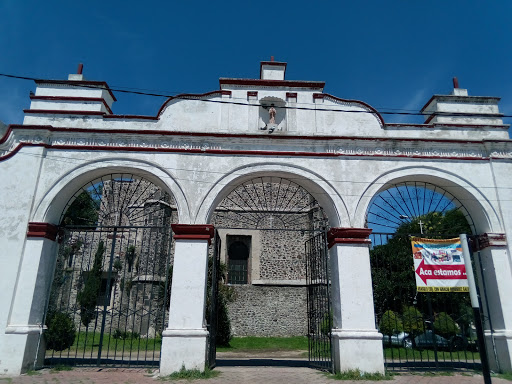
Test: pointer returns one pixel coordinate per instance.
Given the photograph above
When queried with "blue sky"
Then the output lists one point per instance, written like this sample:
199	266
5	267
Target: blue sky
391	54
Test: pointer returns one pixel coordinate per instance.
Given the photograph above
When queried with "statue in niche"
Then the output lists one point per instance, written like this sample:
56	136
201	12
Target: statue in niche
272	115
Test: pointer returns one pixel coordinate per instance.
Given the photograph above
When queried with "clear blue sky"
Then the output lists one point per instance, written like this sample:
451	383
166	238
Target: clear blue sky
391	54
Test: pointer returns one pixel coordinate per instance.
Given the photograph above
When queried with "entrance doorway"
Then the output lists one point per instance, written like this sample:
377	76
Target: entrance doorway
273	248
109	297
428	330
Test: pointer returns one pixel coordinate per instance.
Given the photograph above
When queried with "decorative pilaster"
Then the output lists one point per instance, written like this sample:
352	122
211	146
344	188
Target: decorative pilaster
357	344
185	339
496	272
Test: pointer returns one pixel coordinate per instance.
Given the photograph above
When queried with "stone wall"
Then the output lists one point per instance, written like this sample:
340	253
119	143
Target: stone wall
268	311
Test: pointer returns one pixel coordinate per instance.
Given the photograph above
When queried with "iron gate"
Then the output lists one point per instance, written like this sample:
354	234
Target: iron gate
109	298
110	293
213	279
318	303
421	330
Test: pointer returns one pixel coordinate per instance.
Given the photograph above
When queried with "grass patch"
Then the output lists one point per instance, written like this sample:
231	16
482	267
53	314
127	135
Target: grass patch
60	368
90	341
191	374
504	375
31	372
266	343
358	375
428	354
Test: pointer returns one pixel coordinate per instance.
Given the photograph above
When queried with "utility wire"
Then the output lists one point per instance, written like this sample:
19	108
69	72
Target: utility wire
389	111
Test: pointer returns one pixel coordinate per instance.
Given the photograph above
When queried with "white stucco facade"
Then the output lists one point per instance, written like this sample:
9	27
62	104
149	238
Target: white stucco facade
199	146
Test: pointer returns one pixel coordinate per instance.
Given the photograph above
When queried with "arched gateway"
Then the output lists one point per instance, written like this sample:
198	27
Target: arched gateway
263	163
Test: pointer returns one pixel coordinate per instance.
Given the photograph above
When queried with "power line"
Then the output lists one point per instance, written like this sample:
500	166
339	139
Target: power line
128	90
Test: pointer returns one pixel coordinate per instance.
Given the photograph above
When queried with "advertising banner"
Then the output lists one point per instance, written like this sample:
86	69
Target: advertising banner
439	265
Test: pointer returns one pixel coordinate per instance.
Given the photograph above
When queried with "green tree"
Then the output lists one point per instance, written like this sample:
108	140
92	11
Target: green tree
88	296
445	325
393	267
412	321
60	333
82	211
390	323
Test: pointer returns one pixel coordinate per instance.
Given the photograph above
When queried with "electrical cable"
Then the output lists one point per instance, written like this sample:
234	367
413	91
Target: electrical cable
386	111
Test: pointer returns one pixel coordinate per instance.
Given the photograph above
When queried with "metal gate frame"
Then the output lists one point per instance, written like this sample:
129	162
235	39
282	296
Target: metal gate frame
320	348
123	346
214	295
435	356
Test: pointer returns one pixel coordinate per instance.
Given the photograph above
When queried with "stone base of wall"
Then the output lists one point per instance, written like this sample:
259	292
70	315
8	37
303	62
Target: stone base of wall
268	311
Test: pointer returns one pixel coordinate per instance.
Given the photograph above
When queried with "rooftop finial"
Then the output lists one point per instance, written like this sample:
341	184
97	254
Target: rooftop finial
455	82
80	69
271	58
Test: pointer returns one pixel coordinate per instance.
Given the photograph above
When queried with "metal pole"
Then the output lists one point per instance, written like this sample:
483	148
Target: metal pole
475	304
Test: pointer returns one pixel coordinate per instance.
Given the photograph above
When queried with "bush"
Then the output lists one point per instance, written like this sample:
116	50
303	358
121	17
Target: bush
61	331
445	325
88	296
326	324
390	323
125	335
412	321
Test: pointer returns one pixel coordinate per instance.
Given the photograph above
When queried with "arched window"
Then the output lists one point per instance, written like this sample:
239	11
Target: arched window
238	260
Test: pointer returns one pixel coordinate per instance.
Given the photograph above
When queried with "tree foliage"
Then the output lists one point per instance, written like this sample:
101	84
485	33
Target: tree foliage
60	334
412	320
445	325
88	296
390	323
394	277
82	211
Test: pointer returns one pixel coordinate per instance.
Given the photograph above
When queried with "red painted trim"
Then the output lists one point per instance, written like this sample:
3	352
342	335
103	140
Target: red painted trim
379	116
42	230
135	117
193	231
72	98
272	63
429	119
252	93
291	95
491	240
62	112
468	98
348	236
187	96
225	93
235	135
93	84
273	83
318	96
227	152
448	125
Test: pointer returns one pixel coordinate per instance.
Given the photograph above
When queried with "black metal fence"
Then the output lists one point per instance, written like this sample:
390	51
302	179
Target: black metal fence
318	302
421	330
109	298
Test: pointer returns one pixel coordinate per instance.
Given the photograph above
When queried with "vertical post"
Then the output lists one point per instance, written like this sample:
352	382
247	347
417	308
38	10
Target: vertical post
184	342
475	304
357	343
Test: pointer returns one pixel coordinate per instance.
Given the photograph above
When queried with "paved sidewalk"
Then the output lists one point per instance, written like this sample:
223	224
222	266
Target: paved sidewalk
228	375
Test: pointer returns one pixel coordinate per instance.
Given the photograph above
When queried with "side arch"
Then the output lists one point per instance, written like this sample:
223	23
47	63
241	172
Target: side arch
484	214
319	187
51	205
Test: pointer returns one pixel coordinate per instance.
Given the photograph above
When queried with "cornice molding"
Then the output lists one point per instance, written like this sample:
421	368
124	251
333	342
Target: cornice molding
238	144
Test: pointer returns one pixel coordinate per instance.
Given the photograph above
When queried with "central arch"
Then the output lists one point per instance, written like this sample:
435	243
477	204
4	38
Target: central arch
264	223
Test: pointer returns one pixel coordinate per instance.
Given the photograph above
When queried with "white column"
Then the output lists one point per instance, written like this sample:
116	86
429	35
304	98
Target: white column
185	339
357	343
24	346
497	273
